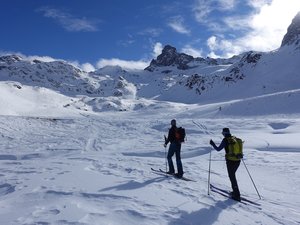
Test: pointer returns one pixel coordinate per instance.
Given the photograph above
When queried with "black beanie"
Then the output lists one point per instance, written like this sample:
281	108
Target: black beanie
173	122
226	131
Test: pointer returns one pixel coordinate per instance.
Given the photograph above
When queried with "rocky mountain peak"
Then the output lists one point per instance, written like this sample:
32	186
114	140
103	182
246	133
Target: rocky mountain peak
170	57
168	49
293	32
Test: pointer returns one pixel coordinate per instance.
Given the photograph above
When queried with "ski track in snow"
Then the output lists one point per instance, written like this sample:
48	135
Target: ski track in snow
96	170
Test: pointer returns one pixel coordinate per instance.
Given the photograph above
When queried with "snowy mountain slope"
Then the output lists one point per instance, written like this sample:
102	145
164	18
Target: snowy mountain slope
254	74
60	76
273	72
22	100
56	75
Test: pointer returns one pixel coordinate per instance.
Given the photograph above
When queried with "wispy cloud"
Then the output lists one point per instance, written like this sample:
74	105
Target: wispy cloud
68	21
177	24
203	8
191	51
152	32
227	4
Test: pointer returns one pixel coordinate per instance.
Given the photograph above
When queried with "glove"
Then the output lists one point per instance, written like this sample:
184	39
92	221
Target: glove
211	142
239	156
165	145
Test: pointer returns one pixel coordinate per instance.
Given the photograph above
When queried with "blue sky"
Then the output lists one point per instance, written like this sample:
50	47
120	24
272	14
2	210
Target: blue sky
95	33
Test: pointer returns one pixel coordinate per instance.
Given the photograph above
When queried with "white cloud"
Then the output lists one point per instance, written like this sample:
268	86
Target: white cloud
157	50
229	48
129	65
212	42
213	55
263	30
177	24
87	67
67	21
270	24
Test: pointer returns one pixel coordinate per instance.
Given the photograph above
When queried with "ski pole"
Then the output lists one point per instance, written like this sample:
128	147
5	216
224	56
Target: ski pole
209	165
166	155
251	179
166	159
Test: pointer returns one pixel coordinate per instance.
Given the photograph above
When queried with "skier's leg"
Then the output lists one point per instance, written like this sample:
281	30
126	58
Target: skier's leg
232	167
178	160
169	158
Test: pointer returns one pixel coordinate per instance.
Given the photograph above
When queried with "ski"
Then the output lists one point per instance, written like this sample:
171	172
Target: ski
172	175
227	194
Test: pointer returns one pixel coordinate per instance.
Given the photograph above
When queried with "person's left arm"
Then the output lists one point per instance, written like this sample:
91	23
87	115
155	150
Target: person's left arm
220	147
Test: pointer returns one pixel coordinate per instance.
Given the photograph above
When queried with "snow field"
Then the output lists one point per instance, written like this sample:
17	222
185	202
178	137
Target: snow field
96	170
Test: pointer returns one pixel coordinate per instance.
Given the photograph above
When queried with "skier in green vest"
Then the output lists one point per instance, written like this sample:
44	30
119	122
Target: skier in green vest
232	162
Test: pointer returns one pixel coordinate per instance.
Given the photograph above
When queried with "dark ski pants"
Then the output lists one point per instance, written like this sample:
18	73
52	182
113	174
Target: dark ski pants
175	149
232	167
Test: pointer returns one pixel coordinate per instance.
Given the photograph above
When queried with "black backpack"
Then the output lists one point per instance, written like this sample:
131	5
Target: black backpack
180	134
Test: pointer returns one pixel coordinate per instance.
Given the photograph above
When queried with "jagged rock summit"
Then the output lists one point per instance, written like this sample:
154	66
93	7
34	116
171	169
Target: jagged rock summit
293	32
170	57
